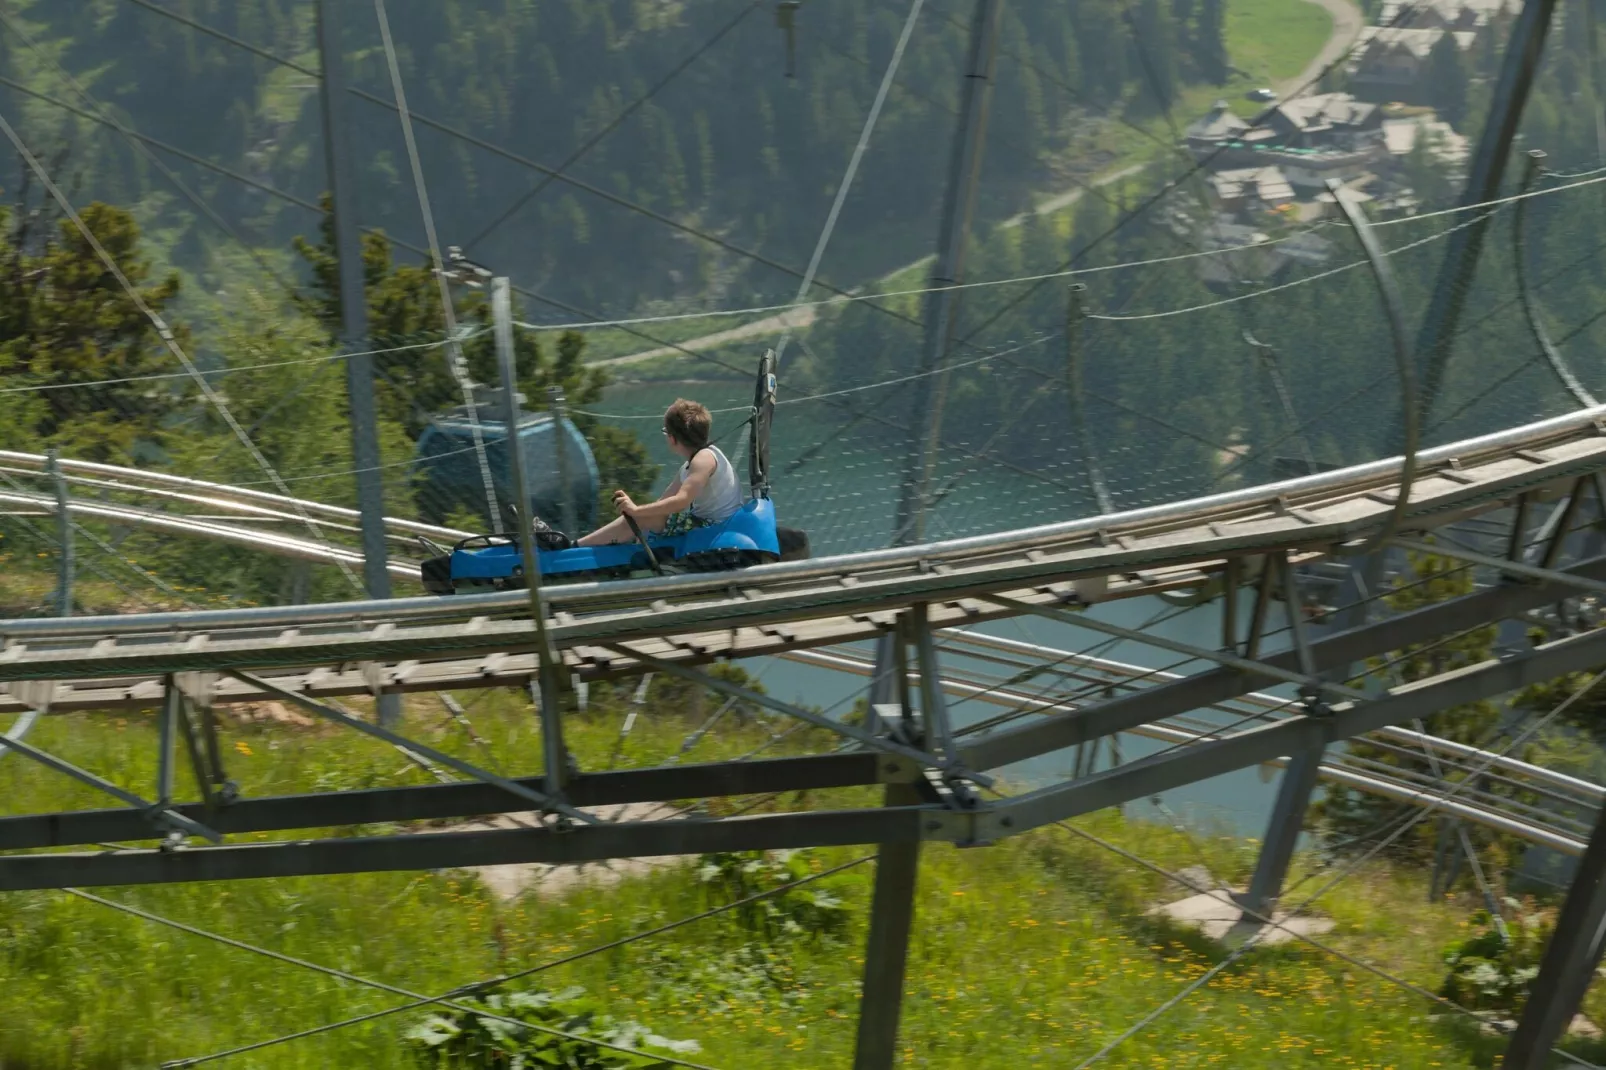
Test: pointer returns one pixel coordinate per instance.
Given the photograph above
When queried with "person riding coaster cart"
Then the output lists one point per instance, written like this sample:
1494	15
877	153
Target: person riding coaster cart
747	535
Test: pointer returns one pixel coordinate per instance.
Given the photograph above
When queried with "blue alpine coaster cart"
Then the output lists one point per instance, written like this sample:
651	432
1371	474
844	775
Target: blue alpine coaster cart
749	537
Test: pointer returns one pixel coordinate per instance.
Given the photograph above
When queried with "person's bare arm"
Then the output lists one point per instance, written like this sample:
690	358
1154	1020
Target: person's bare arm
680	494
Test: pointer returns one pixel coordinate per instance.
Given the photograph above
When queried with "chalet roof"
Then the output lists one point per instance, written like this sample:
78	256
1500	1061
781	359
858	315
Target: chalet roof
1324	111
1445	12
1218	124
1418	42
1265	183
1401	136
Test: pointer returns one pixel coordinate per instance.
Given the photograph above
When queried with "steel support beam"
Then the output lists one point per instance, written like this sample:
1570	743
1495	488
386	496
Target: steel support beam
1456	272
1248	665
365	454
329	713
168	737
456	850
438	802
1062	730
555	756
948	270
886	951
1173	768
1569	964
725	687
1282	833
1509	567
163	817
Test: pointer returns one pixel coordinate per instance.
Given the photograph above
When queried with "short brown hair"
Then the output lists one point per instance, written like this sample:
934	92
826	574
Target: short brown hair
689	422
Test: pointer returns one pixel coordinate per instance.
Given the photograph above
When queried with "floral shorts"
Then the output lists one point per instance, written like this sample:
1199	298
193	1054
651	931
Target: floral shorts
682	522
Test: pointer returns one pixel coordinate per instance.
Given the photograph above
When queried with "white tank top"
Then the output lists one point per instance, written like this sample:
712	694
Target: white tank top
722	496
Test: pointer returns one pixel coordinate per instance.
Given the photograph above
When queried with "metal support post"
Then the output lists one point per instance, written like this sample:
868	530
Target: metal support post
554	755
1569	964
884	688
934	722
1257	616
1282	833
1561	524
190	701
886	950
560	439
1517	544
1229	604
1299	780
365	454
1523	51
64	557
1075	317
948	270
171	700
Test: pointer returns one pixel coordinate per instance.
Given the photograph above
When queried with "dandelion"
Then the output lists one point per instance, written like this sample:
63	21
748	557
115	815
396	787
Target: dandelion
243	747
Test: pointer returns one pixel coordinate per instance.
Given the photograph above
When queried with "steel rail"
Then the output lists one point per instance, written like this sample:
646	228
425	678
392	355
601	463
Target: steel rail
1478	471
224	491
251	538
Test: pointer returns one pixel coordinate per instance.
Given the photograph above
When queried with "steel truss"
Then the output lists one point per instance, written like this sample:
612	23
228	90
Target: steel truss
905	596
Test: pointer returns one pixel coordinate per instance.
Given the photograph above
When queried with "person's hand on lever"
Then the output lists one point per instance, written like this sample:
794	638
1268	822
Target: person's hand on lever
622	502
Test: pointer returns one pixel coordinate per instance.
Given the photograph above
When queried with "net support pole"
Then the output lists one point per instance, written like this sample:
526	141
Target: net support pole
1521	63
553	752
64	555
886	952
1569	964
567	514
948	269
354	326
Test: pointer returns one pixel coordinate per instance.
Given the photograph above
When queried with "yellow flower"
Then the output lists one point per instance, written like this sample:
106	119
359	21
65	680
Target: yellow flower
242	746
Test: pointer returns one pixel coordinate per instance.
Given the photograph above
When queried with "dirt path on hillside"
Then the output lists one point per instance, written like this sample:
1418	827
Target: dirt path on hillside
1347	23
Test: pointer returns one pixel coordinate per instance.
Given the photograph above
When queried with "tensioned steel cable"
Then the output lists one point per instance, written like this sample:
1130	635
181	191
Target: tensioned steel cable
704	236
479	986
162	330
455	363
846	184
613	124
1254	941
1165	190
342	975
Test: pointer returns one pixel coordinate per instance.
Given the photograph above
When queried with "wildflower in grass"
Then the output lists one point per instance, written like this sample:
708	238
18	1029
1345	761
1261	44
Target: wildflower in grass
243	747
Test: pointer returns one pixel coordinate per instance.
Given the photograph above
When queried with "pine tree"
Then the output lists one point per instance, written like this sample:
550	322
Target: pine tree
1210	41
1447	80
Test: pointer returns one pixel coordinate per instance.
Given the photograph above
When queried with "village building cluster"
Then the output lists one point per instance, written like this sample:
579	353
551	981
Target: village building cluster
1281	166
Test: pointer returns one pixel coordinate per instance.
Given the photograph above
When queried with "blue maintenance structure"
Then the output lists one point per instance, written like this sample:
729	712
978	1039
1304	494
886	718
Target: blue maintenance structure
453	481
748	537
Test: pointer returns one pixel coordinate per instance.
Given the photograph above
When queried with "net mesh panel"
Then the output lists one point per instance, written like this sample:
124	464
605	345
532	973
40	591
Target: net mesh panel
1177	406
